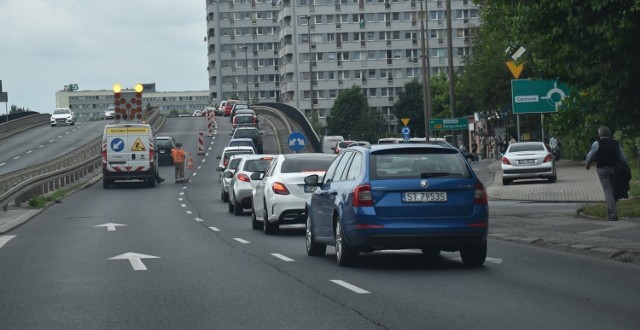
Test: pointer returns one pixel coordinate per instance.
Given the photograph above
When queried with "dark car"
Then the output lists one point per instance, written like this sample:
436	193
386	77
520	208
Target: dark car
235	108
164	144
398	196
244	121
249	132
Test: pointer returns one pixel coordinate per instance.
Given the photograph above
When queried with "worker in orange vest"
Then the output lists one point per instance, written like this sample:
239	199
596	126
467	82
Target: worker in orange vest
178	156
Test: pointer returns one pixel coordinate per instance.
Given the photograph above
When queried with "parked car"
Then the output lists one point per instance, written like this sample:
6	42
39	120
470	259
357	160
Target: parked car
237	106
241	185
528	160
249	132
398	196
164	144
341	145
244	121
243	142
226	174
62	116
280	196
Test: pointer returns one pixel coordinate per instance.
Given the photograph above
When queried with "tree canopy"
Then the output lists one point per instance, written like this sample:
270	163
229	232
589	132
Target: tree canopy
352	118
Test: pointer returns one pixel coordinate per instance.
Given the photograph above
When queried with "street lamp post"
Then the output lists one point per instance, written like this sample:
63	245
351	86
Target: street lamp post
426	93
311	73
246	70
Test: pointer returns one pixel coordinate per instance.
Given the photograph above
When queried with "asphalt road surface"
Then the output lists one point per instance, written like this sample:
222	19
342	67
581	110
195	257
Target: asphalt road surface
174	257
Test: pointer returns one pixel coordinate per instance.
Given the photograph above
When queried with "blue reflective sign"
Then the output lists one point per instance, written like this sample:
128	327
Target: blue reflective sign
297	141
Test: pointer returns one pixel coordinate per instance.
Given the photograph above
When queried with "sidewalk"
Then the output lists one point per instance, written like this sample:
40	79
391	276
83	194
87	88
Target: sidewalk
618	240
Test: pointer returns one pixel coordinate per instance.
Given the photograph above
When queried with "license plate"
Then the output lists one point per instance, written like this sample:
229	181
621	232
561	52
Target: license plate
526	161
309	189
426	196
162	151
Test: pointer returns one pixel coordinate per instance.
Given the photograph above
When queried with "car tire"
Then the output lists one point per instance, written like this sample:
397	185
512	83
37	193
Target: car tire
237	208
230	205
552	179
105	184
475	255
255	224
313	249
225	197
346	256
506	182
268	227
151	183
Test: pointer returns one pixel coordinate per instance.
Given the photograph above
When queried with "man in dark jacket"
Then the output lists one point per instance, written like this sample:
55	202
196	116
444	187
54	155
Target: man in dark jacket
606	152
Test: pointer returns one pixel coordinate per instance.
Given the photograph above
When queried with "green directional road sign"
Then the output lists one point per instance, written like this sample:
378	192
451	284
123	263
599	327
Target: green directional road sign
453	124
537	96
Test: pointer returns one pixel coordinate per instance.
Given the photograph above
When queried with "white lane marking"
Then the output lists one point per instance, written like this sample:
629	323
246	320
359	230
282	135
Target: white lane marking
181	193
135	259
30	151
194	174
183	205
67	132
350	286
5	239
214	228
2	164
16	157
51	141
198	219
180	199
110	226
189	212
41	146
204	160
494	260
185	187
280	256
241	240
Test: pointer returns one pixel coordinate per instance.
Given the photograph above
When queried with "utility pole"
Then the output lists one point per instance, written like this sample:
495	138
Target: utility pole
314	117
246	70
452	97
426	90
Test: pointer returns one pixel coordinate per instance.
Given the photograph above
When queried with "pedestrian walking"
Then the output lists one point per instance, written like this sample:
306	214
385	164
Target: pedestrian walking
607	152
178	156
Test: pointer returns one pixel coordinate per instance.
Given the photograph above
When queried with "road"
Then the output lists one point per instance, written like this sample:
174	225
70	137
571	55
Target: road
174	257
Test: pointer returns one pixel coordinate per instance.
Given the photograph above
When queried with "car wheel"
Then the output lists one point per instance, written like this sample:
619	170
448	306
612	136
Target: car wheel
552	179
237	208
268	227
105	184
475	255
506	182
255	224
151	183
313	248
345	255
225	197
231	208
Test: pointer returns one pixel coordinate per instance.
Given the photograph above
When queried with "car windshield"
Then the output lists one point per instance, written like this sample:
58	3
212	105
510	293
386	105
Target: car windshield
293	165
417	163
164	143
256	165
60	111
241	144
527	147
248	133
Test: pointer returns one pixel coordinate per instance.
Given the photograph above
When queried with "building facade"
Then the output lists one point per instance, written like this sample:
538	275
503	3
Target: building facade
271	51
90	104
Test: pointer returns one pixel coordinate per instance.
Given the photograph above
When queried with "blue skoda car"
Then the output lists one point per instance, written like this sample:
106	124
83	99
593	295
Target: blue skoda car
398	196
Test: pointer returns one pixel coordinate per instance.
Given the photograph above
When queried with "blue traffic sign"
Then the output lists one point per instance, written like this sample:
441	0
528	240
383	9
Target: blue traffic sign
297	141
117	144
405	133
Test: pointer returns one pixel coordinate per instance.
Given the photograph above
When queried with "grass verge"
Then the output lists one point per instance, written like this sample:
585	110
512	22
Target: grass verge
42	201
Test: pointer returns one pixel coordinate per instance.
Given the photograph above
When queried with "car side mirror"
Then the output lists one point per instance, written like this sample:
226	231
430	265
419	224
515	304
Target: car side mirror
228	174
312	180
219	169
218	157
256	175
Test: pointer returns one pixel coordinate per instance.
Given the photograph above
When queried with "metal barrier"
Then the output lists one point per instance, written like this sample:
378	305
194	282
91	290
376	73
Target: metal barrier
17	125
298	117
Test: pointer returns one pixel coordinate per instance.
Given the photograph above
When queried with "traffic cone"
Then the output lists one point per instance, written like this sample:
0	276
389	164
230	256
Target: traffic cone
190	162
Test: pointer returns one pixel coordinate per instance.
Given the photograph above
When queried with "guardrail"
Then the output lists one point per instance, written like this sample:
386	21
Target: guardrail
21	185
17	125
299	118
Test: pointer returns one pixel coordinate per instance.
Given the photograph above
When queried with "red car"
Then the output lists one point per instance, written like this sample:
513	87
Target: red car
342	144
228	106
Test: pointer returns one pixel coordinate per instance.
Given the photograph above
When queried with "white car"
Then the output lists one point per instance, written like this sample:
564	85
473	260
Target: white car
528	160
110	113
227	175
241	185
62	116
280	196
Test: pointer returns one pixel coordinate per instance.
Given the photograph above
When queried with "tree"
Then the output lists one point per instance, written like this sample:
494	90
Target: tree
15	109
410	105
352	118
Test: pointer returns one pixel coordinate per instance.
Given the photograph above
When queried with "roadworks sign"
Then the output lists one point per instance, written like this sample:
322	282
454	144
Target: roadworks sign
138	145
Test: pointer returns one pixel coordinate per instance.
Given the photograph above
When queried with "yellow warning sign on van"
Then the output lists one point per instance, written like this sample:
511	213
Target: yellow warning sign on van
138	145
127	130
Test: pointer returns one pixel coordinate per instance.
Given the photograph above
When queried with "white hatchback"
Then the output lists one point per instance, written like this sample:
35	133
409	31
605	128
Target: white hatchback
528	160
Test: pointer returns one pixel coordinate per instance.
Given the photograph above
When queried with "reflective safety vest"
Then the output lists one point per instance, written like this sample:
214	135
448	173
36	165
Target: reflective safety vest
177	155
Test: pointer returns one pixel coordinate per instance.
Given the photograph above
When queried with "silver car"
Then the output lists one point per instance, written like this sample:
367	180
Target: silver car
528	160
226	175
241	186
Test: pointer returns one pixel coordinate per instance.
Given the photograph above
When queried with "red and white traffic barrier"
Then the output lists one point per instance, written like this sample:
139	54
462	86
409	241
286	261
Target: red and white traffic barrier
211	120
200	143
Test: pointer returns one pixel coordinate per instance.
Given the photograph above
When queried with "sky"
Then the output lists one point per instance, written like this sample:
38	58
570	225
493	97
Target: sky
45	45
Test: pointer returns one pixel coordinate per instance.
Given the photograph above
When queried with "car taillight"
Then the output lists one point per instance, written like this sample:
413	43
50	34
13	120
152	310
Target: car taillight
243	177
480	197
224	162
280	188
547	158
362	196
505	161
104	158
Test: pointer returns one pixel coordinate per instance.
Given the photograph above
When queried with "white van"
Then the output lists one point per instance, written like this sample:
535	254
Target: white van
128	153
329	143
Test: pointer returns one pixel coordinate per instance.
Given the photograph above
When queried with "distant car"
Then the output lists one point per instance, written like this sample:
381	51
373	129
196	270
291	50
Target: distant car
397	196
243	142
244	121
359	143
62	116
241	185
227	174
228	105
341	145
164	144
228	152
237	106
280	196
528	160
184	115
110	113
249	132
197	113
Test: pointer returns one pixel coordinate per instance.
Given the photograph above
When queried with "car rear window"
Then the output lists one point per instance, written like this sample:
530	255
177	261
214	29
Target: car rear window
244	119
527	147
417	163
293	165
249	133
164	143
241	144
233	164
256	165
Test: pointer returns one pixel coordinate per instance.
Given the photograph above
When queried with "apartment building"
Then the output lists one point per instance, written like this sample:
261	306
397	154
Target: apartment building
90	104
271	51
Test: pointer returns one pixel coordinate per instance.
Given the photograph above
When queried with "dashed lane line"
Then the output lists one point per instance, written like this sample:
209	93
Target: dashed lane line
350	287
282	257
241	240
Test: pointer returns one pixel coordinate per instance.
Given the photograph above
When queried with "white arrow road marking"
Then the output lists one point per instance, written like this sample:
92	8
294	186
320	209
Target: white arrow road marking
241	240
111	226
5	239
350	286
280	256
214	228
198	219
134	259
